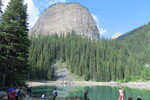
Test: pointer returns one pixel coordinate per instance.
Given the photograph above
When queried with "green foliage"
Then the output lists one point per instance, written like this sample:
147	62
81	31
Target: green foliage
98	60
1	4
87	76
49	75
124	59
127	74
14	42
146	74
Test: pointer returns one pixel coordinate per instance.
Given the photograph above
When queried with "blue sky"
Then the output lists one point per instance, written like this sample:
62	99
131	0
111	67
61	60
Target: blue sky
112	16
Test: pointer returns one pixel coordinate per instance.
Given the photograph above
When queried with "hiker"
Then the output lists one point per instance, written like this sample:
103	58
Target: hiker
139	98
55	94
20	94
85	94
9	91
75	98
43	97
129	98
29	91
13	94
121	95
17	89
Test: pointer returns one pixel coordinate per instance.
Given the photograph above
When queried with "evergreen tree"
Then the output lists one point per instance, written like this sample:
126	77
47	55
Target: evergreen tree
1	6
14	42
98	60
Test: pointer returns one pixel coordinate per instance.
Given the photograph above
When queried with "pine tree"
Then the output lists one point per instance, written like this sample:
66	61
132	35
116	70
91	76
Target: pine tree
14	42
1	4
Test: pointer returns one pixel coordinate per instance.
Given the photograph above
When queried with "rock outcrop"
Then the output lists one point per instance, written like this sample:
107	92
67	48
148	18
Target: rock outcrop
65	18
115	36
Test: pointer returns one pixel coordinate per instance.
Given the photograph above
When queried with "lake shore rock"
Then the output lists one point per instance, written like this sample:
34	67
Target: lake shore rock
3	95
139	85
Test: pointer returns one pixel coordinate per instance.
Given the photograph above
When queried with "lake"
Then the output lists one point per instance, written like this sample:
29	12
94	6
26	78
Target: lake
94	92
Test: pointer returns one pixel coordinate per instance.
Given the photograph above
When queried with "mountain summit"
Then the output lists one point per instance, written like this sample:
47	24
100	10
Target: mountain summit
65	18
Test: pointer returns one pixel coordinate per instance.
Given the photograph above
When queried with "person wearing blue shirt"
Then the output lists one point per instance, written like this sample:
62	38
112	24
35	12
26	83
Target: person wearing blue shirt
54	94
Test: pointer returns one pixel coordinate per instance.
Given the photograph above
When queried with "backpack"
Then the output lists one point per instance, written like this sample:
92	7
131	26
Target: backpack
56	94
20	93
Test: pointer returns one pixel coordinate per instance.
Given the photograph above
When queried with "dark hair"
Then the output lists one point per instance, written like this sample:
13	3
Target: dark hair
139	98
129	98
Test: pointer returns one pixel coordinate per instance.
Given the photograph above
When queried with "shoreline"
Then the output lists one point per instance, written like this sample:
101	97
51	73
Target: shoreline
138	85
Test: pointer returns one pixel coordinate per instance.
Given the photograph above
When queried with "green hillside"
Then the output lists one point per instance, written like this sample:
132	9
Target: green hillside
140	31
138	42
31	58
98	60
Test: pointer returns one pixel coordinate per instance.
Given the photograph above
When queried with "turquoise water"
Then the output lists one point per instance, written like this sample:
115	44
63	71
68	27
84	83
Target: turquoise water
94	92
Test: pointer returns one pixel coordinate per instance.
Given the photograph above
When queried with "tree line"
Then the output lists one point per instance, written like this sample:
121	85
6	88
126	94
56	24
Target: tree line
98	60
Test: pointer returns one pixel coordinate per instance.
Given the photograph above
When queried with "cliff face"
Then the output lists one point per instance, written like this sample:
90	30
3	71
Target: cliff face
65	18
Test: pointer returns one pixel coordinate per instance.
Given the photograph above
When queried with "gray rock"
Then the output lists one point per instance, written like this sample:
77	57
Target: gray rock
65	18
3	95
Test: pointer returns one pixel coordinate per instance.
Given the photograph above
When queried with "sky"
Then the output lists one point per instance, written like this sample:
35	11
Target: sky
111	16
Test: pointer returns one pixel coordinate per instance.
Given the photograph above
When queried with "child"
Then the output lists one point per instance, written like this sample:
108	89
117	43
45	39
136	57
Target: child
43	97
121	95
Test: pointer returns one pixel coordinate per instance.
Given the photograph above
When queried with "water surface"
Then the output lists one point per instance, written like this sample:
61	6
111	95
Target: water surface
94	92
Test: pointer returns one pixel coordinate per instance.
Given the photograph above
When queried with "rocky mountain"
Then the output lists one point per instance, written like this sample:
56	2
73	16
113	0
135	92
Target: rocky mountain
118	34
65	18
142	31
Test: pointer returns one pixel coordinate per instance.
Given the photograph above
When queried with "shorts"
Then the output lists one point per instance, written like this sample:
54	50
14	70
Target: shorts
121	96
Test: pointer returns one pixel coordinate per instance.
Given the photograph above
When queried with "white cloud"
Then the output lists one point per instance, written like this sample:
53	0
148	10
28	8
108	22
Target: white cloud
95	18
32	11
101	30
56	1
5	3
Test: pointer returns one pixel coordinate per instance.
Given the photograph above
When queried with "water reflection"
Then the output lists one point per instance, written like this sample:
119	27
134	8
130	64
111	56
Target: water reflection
94	92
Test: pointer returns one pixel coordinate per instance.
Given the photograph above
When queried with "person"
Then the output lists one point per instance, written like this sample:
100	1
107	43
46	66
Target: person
121	95
139	98
75	98
129	98
54	94
20	94
9	91
85	94
13	94
43	97
17	89
29	91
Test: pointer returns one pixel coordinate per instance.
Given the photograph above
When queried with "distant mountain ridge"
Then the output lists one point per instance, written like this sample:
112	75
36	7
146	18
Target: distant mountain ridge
65	18
118	34
138	42
141	29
